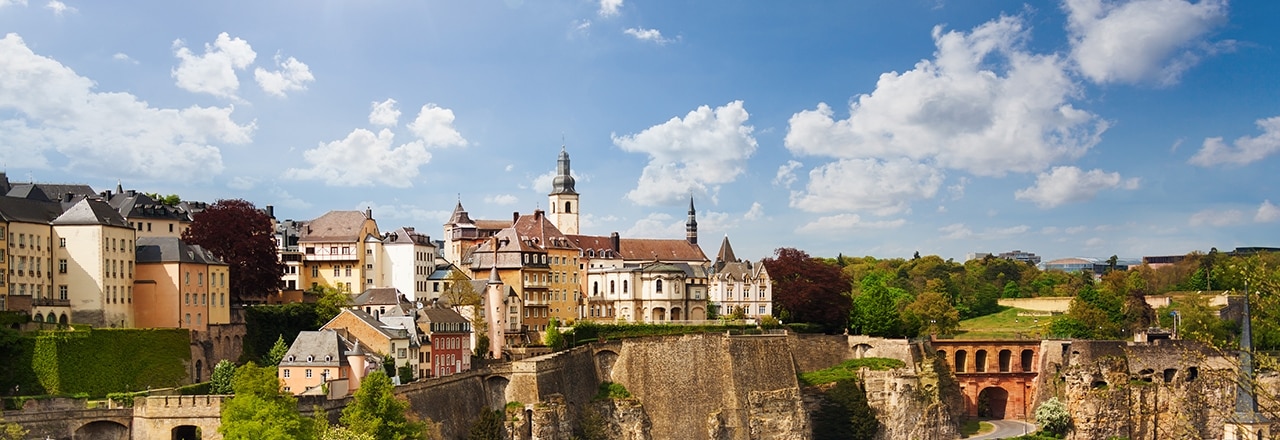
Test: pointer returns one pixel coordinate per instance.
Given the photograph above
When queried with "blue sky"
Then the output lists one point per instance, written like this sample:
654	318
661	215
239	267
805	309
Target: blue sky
1080	128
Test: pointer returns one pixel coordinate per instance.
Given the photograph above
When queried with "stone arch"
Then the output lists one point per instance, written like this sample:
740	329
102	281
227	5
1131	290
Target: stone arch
568	207
658	314
102	430
961	357
1028	359
1006	361
980	361
496	391
185	432
992	402
51	318
697	314
62	319
38	318
605	359
860	350
676	314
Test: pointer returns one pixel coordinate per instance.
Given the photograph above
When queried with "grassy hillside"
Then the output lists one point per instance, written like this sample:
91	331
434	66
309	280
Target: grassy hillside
1006	324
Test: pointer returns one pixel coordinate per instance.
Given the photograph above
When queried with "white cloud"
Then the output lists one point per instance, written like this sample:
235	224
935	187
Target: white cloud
510	167
582	27
1244	150
284	199
292	76
957	191
215	71
542	183
242	183
121	56
651	35
4	3
609	8
787	173
385	113
501	199
434	125
363	158
366	158
845	223
656	225
698	153
959	231
956	112
106	134
1267	213
591	221
883	187
1140	40
1070	184
755	213
59	7
1212	217
1076	229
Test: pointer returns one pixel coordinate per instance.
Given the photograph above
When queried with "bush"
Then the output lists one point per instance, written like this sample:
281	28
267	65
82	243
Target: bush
845	414
220	380
1052	416
848	370
610	390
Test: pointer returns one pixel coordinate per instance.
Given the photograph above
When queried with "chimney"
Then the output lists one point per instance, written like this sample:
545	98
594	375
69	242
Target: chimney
271	211
615	241
537	214
515	217
368	212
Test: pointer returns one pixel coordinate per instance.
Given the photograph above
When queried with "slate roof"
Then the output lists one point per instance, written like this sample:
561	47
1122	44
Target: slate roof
407	235
89	211
440	314
133	204
173	250
378	296
319	345
15	209
48	191
334	226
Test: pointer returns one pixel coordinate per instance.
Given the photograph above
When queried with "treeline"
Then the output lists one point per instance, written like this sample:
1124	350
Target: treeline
919	296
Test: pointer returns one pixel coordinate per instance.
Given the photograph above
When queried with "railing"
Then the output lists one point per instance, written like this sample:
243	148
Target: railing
51	302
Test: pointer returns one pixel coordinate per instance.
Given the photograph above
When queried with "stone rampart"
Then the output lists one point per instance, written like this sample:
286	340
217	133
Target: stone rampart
162	416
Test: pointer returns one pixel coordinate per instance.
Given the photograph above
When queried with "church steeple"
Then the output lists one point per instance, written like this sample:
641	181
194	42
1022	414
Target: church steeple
691	226
1247	422
563	198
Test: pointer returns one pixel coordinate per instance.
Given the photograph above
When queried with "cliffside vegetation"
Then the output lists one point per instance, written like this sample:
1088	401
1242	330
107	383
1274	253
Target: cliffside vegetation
264	324
848	370
95	362
844	413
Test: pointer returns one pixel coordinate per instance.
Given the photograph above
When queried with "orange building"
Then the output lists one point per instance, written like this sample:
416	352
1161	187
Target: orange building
179	285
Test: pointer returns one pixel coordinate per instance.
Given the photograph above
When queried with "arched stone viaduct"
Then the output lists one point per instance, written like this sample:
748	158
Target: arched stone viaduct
997	377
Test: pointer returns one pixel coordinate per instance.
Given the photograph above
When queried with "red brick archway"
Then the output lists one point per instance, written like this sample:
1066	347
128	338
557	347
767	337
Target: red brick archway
994	369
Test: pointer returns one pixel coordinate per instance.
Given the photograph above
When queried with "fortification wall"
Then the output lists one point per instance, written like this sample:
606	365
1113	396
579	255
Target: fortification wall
157	416
814	352
455	401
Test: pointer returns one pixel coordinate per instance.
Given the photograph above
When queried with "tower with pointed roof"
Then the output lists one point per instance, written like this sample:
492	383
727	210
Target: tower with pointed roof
1246	422
691	226
563	197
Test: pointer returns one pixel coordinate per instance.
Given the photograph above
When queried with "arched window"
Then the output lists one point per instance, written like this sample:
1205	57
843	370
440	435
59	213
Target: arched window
611	287
658	286
1006	361
568	208
595	288
960	359
1027	357
624	286
980	361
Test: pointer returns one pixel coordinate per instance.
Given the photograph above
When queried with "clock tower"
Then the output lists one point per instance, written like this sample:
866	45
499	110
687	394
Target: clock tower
563	198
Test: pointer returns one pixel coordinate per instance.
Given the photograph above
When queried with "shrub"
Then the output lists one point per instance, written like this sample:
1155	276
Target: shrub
1052	416
610	390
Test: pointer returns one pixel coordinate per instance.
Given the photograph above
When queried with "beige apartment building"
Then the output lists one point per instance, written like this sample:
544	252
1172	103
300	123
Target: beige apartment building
97	246
335	251
179	285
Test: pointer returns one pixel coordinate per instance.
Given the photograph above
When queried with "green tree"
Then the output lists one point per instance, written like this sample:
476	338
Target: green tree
487	426
375	410
330	303
1052	417
169	200
405	373
11	431
845	414
591	425
459	293
932	314
553	338
343	433
220	380
259	410
278	350
876	307
242	236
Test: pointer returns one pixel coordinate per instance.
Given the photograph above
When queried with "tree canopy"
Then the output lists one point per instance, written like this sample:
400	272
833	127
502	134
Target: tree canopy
241	235
809	290
375	410
259	410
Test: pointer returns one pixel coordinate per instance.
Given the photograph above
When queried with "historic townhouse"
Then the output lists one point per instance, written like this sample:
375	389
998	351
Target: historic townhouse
740	286
179	285
94	252
395	340
462	234
336	250
149	217
26	260
521	266
325	357
447	347
405	260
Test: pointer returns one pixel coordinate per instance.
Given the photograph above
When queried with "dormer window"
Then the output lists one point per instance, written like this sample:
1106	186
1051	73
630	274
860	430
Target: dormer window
291	358
328	358
310	358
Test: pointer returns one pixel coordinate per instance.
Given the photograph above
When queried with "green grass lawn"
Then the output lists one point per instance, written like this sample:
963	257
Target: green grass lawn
971	428
1005	324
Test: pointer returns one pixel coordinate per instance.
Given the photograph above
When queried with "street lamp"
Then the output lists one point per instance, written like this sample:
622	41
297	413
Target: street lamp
1177	318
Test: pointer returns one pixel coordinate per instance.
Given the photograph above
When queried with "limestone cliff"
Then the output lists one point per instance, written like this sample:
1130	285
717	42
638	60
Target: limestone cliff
918	402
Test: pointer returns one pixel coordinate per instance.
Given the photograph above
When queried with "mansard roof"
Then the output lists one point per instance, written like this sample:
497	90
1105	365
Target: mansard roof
89	211
133	204
48	191
379	296
334	226
173	250
407	235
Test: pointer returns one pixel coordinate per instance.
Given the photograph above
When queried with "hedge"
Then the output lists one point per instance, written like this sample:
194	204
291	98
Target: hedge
97	362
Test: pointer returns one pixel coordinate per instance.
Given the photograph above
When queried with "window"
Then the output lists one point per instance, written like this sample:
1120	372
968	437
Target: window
401	353
337	271
286	373
187	277
624	286
62	242
333	250
348	270
611	287
199	279
315	271
188	319
170	227
62	291
346	250
188	300
308	373
762	312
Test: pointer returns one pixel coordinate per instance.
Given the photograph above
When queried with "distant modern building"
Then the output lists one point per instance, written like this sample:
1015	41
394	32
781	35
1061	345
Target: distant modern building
1020	256
1094	265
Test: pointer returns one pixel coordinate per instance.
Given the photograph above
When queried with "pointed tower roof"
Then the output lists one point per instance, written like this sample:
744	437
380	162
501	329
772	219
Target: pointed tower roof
460	216
1246	403
563	182
726	251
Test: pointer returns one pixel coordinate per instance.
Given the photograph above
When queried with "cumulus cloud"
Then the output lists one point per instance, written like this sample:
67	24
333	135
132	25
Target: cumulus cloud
787	173
845	223
4	3
1140	40
121	56
1070	184
406	213
543	182
1244	150
434	125
1212	217
283	198
215	71
706	149
59	8
103	133
242	183
650	35
293	75
1267	213
365	158
656	225
755	213
609	8
955	112
883	187
955	231
384	114
959	231
501	199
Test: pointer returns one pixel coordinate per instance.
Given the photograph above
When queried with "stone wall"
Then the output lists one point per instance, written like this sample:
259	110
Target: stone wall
158	416
455	401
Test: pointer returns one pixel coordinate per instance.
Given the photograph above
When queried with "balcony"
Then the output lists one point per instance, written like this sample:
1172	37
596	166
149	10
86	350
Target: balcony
51	302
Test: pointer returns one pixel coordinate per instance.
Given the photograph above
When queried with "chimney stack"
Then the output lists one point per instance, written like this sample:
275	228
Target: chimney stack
616	242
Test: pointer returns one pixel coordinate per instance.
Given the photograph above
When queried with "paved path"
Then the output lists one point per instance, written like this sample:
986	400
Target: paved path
1006	429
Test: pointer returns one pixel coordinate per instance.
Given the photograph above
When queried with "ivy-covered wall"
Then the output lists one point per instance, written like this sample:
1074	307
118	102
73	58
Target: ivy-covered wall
96	362
265	323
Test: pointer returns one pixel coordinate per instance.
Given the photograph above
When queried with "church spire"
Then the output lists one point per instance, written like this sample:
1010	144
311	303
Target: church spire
563	182
1246	403
691	226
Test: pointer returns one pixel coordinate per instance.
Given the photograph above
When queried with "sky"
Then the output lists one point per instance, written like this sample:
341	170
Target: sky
1081	128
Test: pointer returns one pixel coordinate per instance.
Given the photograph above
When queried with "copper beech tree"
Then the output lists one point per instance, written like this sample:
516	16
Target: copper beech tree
241	235
809	290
